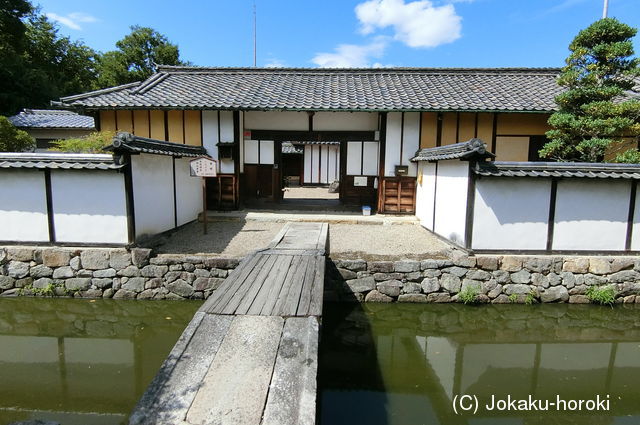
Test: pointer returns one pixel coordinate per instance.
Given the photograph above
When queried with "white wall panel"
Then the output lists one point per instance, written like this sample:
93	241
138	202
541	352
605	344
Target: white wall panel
89	206
266	151
307	163
635	233
345	121
370	158
153	193
188	193
251	152
324	163
410	140
591	215
276	120
451	200
425	193
210	132
315	163
392	151
354	158
226	126
23	206
511	213
333	165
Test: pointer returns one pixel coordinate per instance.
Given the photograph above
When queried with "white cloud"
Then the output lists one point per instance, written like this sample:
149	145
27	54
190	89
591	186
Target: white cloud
351	55
275	63
72	20
416	24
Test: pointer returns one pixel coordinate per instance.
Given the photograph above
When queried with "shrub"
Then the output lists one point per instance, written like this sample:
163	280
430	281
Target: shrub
603	295
14	140
469	295
93	143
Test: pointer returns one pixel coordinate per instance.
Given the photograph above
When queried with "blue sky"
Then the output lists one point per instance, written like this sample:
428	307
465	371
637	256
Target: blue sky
303	33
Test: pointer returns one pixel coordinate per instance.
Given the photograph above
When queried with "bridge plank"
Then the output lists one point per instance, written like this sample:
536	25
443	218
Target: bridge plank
274	296
235	388
246	286
272	284
287	301
317	289
261	280
292	394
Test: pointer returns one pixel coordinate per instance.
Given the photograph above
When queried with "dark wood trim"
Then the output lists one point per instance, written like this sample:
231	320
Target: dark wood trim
518	135
630	217
401	135
382	149
471	198
361	158
115	120
96	120
475	131
439	129
184	130
343	168
457	127
175	198
237	138
149	121
319	163
129	199
311	114
166	126
435	196
49	198
552	213
310	164
494	129
285	135
133	123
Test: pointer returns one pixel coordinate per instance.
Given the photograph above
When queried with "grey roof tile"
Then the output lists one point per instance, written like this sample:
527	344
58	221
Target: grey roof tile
371	89
54	119
129	143
558	169
473	148
63	161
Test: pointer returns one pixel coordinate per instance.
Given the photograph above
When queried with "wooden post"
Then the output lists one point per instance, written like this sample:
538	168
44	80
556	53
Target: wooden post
204	204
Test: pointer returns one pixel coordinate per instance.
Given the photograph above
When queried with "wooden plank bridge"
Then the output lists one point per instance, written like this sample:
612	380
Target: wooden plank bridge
249	355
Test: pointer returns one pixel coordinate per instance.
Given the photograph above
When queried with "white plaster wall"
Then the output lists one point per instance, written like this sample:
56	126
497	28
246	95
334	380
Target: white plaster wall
23	206
425	193
210	137
307	163
89	206
370	158
276	120
226	135
333	165
152	193
392	150
411	140
250	151
324	163
511	213
266	151
451	200
315	163
635	233
591	215
188	193
354	157
345	121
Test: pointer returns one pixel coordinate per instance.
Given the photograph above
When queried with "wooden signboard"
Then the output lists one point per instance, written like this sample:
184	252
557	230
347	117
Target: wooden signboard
203	167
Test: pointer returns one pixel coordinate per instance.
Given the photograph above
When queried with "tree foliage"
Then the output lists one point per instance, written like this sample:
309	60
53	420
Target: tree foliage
136	57
12	139
92	143
595	112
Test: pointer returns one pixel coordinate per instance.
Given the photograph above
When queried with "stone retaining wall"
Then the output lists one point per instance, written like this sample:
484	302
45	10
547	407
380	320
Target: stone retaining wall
109	273
495	279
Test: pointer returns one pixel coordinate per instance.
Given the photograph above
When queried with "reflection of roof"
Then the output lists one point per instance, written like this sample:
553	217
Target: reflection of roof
130	143
63	161
474	148
558	169
52	119
369	89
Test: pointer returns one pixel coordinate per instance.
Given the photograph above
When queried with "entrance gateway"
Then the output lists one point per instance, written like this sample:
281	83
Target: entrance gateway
279	165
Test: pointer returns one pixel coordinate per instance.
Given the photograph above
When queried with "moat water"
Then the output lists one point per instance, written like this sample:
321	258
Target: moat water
87	362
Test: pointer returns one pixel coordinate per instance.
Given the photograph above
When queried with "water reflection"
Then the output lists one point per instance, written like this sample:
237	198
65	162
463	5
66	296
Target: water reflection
403	364
80	361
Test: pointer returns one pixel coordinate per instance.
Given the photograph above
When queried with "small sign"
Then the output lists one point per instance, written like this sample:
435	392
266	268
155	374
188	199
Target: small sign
360	181
203	167
247	134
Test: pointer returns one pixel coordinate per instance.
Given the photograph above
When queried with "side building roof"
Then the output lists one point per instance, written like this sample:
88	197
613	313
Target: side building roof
558	169
52	119
471	149
127	142
317	89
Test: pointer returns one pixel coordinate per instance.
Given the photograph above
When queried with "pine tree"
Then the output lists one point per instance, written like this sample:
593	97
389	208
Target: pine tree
599	110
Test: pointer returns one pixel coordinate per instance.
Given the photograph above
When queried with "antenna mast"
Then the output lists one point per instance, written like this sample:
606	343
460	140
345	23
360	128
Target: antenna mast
255	36
605	10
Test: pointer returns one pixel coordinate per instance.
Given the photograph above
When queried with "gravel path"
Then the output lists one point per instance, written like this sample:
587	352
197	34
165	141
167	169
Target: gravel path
366	241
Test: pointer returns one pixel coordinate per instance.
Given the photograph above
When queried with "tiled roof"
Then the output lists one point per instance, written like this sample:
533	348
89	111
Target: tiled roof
559	169
53	119
129	143
63	161
370	89
288	147
474	148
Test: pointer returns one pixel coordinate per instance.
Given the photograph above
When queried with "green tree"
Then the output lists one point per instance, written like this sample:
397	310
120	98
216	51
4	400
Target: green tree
92	143
136	57
12	139
595	112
